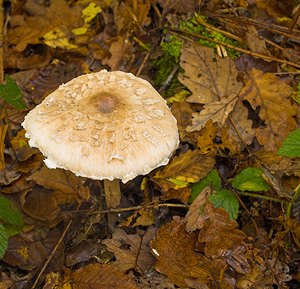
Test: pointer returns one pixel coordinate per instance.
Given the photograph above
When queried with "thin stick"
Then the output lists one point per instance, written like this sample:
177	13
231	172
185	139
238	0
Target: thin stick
179	33
136	208
52	254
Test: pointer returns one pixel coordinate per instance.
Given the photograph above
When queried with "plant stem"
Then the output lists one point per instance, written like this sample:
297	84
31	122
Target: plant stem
260	196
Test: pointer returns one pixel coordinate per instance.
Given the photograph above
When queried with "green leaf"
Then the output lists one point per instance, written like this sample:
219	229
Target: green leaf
226	200
3	241
10	217
212	180
291	145
250	179
11	93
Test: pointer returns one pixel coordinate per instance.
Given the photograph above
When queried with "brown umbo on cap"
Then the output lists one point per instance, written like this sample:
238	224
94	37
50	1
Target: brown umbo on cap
104	125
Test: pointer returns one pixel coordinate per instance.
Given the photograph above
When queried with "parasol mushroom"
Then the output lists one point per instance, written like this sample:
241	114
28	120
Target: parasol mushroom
107	126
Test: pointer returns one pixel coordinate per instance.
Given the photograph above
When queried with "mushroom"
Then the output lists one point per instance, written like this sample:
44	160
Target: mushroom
107	126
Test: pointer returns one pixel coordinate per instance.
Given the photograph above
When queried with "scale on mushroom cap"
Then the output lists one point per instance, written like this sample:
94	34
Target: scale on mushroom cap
107	126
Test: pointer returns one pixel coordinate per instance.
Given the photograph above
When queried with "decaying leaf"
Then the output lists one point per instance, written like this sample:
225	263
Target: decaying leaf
237	132
28	251
61	180
186	168
176	257
100	276
217	111
31	29
131	250
120	53
254	41
209	77
183	114
40	205
195	217
142	217
264	91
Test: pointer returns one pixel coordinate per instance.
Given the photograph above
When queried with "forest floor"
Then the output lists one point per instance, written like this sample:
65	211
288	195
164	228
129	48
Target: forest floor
224	213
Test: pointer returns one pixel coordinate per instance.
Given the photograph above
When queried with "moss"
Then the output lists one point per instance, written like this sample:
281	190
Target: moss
171	49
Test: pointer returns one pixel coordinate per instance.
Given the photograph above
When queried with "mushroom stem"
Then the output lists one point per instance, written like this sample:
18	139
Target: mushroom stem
112	193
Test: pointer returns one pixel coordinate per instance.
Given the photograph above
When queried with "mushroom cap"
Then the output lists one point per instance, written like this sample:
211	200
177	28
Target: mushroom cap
104	125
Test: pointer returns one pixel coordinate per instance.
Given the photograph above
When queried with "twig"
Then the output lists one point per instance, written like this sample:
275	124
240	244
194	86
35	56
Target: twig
143	63
52	254
169	79
179	33
270	27
136	208
292	201
260	197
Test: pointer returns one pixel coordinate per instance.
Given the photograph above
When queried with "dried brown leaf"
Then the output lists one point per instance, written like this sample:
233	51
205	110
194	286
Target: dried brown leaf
238	131
100	276
195	217
28	251
40	205
142	217
217	111
206	137
266	92
276	163
32	28
61	180
121	54
183	114
254	41
219	233
21	148
188	167
176	257
131	250
209	77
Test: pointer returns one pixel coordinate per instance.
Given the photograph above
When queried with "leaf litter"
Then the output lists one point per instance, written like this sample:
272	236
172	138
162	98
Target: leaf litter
224	213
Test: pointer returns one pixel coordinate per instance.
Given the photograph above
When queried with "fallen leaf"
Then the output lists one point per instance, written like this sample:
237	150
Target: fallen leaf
142	217
254	41
278	163
61	180
183	114
28	251
174	249
206	137
186	168
131	14
217	111
189	7
237	131
209	77
34	27
266	92
40	205
195	217
21	148
121	53
220	234
100	276
131	250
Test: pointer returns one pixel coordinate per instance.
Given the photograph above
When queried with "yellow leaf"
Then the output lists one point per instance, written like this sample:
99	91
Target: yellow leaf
90	12
58	38
186	168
